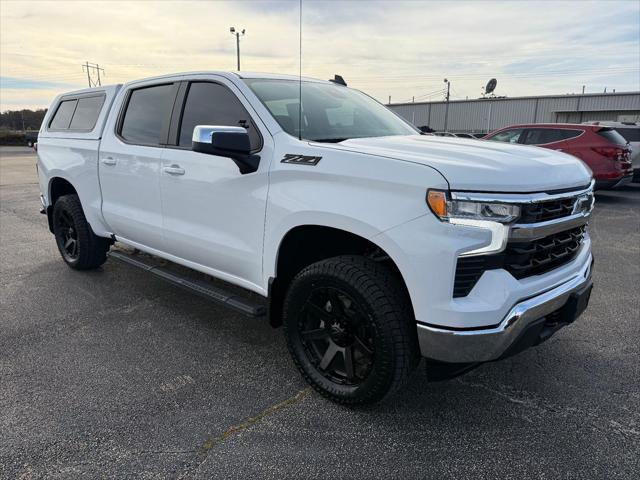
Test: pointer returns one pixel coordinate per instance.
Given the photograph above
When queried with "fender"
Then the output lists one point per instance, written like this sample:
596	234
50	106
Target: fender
273	238
90	199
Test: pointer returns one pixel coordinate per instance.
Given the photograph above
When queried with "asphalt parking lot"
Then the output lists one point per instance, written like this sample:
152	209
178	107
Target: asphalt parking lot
114	373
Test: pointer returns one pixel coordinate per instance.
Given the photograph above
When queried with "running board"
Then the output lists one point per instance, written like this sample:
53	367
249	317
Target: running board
201	288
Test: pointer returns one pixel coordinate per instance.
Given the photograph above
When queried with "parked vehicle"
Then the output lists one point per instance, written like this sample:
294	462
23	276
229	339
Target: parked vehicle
465	135
371	244
444	134
603	149
31	138
631	133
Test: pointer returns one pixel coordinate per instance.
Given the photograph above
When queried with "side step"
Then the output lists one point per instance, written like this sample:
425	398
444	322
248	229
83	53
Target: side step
202	288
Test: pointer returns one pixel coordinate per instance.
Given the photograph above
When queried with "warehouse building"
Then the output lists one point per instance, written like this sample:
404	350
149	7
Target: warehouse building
488	114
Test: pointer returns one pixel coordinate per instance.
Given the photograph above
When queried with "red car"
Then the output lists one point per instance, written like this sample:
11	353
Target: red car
604	150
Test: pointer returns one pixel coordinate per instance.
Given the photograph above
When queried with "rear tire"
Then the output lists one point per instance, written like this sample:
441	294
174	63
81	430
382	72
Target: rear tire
350	329
80	248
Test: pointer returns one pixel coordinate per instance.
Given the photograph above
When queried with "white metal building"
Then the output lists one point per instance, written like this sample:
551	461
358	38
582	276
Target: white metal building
484	115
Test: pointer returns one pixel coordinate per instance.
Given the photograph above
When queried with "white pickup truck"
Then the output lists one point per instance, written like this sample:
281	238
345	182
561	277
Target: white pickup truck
373	245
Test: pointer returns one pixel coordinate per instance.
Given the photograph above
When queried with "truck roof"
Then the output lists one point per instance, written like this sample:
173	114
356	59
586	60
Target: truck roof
231	76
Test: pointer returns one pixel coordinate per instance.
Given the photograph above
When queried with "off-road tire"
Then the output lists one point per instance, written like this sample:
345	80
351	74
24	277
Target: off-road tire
91	250
378	290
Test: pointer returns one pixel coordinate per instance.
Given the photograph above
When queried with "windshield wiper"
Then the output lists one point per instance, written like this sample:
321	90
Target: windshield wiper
330	140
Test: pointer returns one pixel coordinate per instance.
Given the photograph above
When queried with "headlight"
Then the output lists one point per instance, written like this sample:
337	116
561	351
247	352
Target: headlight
445	208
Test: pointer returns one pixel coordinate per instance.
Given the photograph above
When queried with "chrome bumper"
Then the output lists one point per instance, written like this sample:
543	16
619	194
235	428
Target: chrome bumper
484	345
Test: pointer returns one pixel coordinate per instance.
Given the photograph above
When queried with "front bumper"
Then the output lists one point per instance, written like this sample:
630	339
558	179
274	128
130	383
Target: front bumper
487	344
619	182
625	180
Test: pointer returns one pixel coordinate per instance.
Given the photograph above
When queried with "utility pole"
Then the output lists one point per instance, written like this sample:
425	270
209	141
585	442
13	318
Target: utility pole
93	66
583	89
237	34
446	112
389	100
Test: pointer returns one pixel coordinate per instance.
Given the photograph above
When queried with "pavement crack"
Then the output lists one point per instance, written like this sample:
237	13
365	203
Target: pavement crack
251	421
255	419
531	401
165	452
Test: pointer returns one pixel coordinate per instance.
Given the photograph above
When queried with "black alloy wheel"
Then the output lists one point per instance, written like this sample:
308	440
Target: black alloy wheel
350	329
80	248
67	237
337	336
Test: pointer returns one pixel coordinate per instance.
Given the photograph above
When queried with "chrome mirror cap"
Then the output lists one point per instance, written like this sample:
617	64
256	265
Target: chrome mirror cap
204	133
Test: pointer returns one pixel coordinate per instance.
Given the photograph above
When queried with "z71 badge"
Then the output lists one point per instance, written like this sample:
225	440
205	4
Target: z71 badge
300	159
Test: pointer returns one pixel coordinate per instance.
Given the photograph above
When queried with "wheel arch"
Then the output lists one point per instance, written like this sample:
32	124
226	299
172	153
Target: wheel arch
58	186
305	244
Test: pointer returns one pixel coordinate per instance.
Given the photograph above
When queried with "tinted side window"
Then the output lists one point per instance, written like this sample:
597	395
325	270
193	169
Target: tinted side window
567	134
213	104
509	136
541	136
147	111
87	113
62	118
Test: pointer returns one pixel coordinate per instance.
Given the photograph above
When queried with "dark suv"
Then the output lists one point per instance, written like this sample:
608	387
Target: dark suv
603	149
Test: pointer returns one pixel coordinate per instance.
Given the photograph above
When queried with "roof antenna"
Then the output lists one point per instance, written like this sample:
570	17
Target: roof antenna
300	81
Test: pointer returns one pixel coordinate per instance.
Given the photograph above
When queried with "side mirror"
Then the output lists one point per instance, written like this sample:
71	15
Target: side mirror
231	142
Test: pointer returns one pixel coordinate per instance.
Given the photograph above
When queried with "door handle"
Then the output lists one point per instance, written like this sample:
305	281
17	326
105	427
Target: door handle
174	170
109	161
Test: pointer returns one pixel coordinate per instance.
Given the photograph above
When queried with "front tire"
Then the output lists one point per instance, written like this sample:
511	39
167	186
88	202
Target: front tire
350	329
80	248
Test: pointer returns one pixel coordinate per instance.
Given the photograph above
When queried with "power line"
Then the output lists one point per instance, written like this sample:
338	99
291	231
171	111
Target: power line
424	96
551	73
48	78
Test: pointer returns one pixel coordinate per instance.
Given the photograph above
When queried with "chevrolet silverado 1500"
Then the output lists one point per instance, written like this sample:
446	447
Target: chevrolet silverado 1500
372	245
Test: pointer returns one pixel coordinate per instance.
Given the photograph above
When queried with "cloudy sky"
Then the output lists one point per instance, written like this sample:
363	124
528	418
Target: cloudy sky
400	49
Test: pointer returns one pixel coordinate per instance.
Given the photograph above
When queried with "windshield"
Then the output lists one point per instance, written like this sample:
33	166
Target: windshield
330	113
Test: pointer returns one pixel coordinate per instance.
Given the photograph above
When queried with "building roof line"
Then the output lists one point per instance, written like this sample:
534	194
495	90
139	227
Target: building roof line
496	99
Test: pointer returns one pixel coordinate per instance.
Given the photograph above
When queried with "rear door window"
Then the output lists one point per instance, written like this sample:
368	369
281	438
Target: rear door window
508	136
87	112
147	114
214	104
62	118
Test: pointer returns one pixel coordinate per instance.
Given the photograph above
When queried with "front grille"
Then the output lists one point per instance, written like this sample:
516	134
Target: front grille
544	211
524	259
520	259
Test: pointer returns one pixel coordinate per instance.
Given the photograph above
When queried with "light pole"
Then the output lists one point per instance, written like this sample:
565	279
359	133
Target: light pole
446	111
237	34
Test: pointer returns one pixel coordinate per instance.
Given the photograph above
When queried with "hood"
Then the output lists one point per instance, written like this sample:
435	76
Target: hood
480	164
